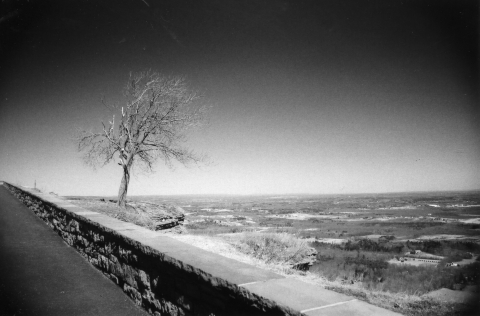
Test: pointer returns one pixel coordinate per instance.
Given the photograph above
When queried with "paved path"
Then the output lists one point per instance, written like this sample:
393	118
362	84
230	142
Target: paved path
41	275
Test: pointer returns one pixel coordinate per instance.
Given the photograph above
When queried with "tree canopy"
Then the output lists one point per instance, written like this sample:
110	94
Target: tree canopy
154	124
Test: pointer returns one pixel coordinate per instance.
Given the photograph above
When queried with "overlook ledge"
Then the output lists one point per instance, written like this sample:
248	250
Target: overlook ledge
168	277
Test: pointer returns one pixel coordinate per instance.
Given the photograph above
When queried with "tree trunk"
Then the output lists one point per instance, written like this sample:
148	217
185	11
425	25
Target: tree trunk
122	192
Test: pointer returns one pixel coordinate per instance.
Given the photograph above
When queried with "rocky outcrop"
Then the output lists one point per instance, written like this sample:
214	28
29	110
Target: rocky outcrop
164	216
307	261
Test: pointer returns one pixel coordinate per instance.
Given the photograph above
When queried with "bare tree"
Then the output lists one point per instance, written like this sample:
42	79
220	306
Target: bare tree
159	113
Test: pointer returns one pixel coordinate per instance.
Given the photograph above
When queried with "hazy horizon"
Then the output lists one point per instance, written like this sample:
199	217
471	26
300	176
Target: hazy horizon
475	191
308	97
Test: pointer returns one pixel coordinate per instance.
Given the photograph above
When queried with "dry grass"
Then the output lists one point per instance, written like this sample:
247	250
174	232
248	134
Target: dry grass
411	305
226	245
276	248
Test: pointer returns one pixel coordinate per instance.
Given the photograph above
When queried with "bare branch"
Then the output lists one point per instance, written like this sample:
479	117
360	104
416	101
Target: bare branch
98	149
154	124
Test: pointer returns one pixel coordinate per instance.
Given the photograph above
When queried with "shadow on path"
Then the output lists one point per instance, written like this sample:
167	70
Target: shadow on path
42	275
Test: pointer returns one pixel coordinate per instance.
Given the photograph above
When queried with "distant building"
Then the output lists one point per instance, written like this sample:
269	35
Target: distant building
332	241
426	260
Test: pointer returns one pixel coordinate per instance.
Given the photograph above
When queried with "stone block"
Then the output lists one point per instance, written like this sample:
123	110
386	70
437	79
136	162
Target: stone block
116	268
88	250
103	262
128	275
85	242
143	279
93	261
113	278
133	293
124	254
185	303
96	237
109	248
112	258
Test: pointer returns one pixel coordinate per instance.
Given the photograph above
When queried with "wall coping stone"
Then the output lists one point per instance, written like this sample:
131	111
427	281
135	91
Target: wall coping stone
305	298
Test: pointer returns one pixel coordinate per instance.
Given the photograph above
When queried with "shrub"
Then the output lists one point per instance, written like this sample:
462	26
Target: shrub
275	247
130	215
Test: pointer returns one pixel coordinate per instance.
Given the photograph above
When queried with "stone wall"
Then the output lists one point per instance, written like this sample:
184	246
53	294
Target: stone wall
156	281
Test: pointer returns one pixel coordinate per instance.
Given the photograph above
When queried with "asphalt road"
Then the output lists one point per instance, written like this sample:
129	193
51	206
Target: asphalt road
42	275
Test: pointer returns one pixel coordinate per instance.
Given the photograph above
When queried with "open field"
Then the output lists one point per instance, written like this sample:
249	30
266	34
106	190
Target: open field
359	238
